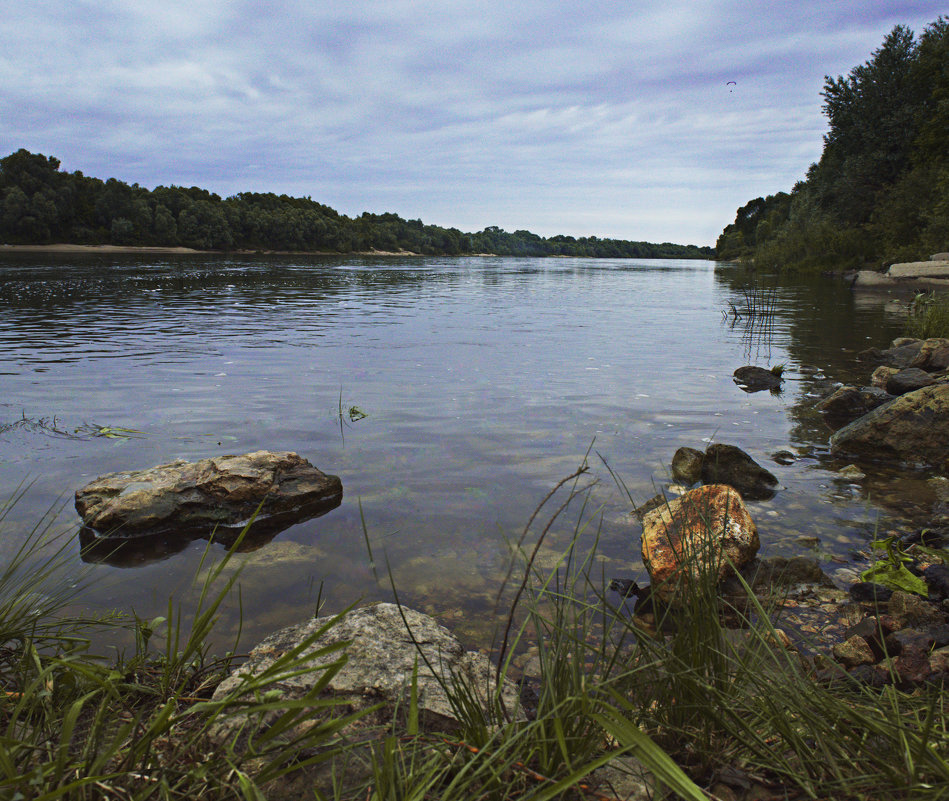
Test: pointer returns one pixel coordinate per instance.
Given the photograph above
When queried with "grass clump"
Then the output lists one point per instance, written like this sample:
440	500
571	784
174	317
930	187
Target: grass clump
928	316
75	725
698	700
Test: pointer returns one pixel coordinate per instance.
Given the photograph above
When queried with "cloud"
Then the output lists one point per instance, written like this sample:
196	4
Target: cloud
611	119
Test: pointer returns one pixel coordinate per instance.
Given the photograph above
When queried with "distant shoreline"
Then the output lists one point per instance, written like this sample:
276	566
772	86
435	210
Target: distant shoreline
68	248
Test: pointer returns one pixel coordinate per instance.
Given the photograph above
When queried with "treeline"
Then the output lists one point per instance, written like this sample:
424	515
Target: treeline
880	192
40	204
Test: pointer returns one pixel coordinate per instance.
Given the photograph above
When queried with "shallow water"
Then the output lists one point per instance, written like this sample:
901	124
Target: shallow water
484	381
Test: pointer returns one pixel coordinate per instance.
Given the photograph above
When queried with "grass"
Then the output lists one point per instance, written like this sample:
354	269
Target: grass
928	316
695	704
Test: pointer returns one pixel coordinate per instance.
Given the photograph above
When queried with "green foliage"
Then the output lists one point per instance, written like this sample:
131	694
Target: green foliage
40	204
928	316
879	192
892	571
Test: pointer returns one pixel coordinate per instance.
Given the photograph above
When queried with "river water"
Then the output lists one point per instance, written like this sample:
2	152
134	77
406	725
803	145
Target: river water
483	381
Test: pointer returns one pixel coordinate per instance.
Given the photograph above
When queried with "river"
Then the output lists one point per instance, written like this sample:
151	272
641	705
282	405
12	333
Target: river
483	381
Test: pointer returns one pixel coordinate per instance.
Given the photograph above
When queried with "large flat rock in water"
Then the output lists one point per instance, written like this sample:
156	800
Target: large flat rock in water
913	428
195	497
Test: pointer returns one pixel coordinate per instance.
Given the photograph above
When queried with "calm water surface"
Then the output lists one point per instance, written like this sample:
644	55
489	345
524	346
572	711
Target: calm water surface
484	382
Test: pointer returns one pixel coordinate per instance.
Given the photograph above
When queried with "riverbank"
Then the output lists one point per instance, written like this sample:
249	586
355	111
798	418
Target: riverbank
130	249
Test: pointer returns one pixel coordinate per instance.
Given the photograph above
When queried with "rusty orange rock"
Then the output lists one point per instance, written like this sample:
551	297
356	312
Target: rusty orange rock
693	534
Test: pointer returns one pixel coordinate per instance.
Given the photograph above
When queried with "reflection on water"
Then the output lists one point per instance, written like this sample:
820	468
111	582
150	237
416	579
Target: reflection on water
484	381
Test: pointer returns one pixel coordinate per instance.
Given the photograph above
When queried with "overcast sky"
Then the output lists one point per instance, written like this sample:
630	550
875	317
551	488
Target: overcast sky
605	118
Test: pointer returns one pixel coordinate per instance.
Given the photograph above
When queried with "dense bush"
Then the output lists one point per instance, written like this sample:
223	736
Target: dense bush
880	192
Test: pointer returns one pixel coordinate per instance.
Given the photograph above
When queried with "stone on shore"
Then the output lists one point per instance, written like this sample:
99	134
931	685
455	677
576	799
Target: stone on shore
692	535
192	498
913	428
919	269
908	380
380	656
728	464
933	355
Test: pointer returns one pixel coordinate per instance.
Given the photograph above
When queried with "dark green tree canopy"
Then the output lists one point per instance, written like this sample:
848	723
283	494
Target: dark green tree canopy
880	191
40	204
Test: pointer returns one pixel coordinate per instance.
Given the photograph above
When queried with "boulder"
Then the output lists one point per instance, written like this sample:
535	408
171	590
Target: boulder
846	403
693	534
939	257
727	464
908	380
755	379
194	498
881	375
933	355
687	465
913	428
919	269
899	355
382	649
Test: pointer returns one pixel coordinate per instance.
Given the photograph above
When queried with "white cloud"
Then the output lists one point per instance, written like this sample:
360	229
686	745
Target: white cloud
611	119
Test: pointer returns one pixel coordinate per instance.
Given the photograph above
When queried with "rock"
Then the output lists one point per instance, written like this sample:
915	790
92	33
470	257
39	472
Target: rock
933	355
784	458
939	660
693	534
755	379
775	572
380	656
937	580
687	465
726	464
623	779
919	269
939	257
912	666
908	380
195	497
875	396
853	651
873	632
869	591
924	639
881	375
654	502
852	473
912	428
899	357
845	404
913	610
868	279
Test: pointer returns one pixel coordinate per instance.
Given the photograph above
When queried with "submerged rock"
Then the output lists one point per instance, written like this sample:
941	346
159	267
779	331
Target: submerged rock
693	534
755	379
193	498
728	464
912	428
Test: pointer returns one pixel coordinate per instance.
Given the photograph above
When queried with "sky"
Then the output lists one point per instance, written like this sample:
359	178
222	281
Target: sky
605	118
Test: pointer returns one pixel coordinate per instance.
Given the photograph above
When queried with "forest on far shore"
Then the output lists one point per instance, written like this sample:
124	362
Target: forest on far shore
880	192
41	204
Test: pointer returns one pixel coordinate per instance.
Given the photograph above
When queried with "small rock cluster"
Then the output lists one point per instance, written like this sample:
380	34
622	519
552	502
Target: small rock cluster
903	415
904	640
